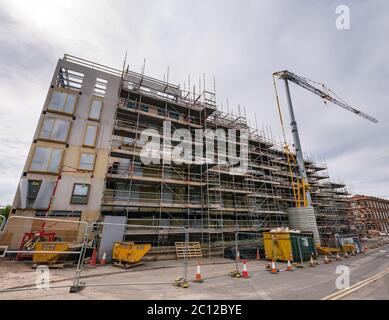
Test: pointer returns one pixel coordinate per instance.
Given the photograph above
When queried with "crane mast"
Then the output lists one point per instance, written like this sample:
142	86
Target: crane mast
297	145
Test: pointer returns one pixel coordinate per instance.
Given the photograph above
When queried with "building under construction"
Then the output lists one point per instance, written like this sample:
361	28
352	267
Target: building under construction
90	135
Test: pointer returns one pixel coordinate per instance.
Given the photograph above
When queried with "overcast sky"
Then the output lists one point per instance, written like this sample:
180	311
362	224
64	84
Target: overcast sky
241	43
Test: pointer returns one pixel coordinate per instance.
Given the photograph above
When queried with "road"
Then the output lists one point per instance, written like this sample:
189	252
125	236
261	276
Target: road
143	283
378	290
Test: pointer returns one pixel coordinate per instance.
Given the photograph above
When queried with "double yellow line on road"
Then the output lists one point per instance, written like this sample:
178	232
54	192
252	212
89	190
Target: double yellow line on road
344	292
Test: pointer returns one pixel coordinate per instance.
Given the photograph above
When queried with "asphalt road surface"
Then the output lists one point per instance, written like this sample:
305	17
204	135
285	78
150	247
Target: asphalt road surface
377	290
306	283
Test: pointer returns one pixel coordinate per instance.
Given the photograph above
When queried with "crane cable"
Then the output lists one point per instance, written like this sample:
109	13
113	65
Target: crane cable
326	90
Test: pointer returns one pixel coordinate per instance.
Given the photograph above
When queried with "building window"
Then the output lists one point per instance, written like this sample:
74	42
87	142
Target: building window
87	161
80	193
131	105
33	187
46	159
55	129
62	102
144	108
90	135
161	112
95	109
58	213
100	87
174	115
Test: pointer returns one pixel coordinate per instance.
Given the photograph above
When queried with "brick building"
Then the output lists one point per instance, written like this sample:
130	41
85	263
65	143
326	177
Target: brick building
368	213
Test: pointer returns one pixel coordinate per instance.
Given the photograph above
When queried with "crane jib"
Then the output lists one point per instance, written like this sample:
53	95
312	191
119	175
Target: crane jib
304	83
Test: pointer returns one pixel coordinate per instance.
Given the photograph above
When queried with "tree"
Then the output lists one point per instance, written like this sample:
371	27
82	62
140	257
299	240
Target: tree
5	211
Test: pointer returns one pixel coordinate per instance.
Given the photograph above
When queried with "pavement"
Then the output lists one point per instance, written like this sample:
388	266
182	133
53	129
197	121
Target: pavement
154	280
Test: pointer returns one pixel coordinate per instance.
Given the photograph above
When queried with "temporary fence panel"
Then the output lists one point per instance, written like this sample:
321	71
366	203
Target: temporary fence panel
132	249
33	242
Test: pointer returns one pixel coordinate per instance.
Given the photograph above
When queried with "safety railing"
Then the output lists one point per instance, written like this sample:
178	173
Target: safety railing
3	221
168	173
150	198
153	110
93	65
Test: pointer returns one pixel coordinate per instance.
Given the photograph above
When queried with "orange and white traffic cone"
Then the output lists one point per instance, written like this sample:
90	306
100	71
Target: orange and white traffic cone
273	267
103	261
258	257
245	273
92	262
289	268
312	262
198	279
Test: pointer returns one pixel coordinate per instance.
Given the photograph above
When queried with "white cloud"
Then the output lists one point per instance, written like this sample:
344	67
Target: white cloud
241	43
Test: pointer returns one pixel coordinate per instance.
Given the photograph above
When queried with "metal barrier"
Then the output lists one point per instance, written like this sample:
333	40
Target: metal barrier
37	241
19	225
237	233
3	222
78	285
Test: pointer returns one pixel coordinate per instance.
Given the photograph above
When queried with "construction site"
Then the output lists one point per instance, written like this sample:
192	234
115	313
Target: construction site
86	195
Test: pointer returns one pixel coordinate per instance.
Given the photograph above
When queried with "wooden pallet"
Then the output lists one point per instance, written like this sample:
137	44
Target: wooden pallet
193	250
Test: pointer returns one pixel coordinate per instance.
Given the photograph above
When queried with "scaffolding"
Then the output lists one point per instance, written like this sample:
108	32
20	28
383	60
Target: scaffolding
208	198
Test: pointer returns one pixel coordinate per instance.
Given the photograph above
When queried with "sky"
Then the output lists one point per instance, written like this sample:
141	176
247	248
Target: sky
239	43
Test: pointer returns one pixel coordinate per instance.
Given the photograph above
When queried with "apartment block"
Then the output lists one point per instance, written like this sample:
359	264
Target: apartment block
85	163
368	214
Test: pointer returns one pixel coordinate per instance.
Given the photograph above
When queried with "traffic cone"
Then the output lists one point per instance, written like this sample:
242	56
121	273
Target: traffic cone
198	279
103	260
92	262
245	274
312	262
273	267
289	268
258	257
337	257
